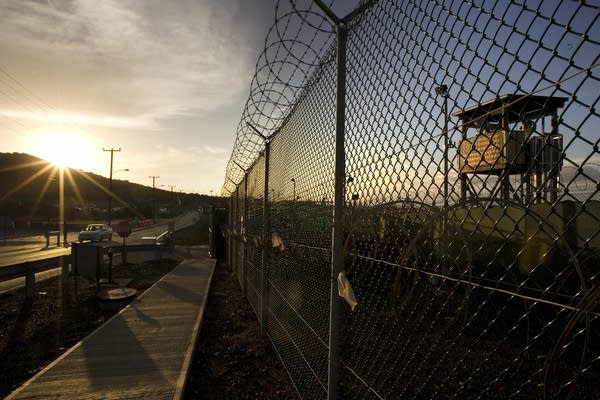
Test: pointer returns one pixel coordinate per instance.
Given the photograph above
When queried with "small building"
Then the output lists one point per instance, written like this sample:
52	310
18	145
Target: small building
512	139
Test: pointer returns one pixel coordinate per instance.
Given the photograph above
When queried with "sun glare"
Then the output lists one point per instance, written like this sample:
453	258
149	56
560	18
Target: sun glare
63	149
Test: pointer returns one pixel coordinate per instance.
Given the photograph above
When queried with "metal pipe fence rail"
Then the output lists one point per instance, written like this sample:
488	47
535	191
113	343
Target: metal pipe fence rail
415	198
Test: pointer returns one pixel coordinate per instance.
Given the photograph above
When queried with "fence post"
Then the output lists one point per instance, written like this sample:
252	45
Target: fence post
266	236
229	229
245	230
442	91
29	280
337	257
65	263
235	238
266	244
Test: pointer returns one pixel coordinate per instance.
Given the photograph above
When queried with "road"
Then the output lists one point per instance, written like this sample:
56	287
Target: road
32	248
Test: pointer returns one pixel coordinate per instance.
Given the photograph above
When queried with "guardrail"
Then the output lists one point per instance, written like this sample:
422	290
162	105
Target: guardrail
28	269
49	234
139	247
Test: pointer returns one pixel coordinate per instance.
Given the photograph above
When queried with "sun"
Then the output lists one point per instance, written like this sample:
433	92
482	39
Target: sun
62	148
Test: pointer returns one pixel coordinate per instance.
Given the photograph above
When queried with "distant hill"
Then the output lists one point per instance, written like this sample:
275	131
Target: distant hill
29	188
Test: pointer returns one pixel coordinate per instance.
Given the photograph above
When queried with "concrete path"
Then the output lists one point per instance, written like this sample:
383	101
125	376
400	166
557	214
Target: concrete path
143	352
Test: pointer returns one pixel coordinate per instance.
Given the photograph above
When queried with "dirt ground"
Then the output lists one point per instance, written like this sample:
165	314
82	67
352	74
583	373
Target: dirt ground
232	360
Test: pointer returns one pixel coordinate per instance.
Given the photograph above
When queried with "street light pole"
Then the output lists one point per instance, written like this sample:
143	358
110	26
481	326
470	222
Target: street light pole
110	194
154	178
442	90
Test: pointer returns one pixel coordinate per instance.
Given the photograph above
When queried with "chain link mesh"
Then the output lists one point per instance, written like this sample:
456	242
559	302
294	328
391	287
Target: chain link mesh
472	198
253	232
301	171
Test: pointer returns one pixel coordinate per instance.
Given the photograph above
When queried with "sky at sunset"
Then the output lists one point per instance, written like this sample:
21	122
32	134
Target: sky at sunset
164	81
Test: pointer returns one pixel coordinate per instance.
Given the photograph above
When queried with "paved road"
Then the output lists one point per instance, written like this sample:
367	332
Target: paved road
34	248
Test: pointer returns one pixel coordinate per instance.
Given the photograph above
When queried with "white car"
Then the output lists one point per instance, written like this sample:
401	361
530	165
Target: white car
96	233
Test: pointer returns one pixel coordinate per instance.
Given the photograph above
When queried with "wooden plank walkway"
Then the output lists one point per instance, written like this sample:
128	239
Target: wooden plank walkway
143	352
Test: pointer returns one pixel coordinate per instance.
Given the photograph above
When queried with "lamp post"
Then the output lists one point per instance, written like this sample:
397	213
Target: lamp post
112	151
442	90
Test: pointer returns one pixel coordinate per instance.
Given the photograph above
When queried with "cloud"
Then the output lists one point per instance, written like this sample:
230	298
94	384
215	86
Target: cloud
186	155
159	59
213	150
190	168
130	73
82	119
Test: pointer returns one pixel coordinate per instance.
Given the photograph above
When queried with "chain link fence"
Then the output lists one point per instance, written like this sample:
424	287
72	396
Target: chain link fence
415	198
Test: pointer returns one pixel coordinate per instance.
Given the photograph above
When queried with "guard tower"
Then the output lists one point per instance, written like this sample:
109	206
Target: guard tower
512	139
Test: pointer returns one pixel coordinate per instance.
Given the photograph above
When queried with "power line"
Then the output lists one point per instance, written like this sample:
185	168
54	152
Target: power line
33	95
25	99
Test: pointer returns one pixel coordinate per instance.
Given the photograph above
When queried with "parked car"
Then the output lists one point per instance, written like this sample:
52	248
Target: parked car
96	233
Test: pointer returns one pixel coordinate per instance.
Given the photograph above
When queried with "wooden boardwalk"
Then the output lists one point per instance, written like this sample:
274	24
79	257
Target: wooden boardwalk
141	353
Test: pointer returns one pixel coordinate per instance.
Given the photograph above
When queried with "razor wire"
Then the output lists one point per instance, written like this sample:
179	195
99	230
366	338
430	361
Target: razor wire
472	198
294	47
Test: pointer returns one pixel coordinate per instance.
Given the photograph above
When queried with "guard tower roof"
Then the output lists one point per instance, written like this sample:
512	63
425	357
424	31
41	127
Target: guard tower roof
517	107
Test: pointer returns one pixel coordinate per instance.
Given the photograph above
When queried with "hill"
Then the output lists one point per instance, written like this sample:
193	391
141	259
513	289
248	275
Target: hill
30	189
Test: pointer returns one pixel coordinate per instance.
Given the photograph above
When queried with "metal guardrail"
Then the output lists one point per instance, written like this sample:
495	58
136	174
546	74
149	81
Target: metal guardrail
28	269
49	234
165	236
140	247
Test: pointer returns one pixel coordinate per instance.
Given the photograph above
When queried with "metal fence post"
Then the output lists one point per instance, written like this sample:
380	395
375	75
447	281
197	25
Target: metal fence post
463	176
29	280
244	286
442	90
337	257
266	244
234	254
229	231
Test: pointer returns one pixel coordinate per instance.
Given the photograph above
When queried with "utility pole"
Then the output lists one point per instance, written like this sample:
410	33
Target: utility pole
110	191
154	178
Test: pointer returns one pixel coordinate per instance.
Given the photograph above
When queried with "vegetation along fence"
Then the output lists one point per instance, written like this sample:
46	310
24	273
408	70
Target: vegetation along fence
414	196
